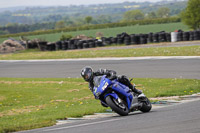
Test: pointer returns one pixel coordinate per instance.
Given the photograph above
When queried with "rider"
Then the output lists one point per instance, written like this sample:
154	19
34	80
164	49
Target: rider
89	76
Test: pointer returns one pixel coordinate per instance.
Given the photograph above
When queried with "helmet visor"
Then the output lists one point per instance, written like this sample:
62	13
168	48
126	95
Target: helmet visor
88	75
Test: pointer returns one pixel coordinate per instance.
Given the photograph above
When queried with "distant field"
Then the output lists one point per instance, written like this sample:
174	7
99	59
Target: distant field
137	29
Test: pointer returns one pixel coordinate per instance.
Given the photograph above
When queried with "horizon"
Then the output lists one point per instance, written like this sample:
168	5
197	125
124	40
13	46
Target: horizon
45	3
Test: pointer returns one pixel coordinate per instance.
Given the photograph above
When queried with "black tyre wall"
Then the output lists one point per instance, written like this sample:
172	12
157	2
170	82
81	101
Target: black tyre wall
191	35
127	40
59	45
150	38
180	36
186	36
155	38
196	35
143	39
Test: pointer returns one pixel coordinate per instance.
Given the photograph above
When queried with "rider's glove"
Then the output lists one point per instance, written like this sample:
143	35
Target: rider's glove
111	75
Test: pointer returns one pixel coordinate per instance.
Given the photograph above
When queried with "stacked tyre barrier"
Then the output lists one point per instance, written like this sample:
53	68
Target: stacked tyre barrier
70	45
127	39
123	38
185	36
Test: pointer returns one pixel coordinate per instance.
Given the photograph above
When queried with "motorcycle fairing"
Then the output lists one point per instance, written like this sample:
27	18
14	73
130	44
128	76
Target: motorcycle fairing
116	87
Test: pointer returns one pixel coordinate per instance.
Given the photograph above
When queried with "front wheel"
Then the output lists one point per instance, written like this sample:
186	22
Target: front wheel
146	105
117	106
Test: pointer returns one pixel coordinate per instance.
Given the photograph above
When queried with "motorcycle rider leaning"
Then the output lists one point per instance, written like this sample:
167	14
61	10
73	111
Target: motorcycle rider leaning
89	76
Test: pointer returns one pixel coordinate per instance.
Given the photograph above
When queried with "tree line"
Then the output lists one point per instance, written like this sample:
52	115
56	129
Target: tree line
97	26
190	16
12	28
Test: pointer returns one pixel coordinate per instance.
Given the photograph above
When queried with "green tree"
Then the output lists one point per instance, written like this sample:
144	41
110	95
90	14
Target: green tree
65	37
104	19
152	15
79	21
163	12
133	15
60	24
191	15
88	19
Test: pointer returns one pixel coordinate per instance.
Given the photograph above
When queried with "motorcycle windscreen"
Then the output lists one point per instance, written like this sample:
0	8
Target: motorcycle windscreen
100	83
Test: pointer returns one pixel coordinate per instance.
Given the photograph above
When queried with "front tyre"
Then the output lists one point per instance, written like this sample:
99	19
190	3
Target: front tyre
118	107
146	105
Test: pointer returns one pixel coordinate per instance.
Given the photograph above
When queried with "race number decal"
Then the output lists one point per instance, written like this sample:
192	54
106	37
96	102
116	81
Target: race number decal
105	86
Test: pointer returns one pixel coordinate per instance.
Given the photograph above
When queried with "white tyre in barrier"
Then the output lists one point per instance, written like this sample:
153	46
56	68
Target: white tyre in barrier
174	36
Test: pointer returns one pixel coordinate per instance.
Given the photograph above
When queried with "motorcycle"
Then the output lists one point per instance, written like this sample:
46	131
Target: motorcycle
120	98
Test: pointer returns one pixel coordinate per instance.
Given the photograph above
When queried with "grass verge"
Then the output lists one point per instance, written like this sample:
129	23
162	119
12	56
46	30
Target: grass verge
27	103
135	52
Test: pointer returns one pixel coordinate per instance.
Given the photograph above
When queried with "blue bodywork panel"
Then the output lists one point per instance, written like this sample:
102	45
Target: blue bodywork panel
117	88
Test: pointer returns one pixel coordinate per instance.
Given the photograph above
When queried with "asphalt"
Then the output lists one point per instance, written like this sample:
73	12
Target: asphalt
151	67
179	118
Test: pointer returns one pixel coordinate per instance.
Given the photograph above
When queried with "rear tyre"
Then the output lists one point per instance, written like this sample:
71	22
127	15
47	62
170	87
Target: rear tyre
119	108
146	106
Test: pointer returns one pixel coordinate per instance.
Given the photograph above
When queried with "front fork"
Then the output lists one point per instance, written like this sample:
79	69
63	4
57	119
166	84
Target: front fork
136	103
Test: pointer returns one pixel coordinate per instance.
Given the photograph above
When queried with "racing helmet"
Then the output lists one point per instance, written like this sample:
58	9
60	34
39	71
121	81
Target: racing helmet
87	73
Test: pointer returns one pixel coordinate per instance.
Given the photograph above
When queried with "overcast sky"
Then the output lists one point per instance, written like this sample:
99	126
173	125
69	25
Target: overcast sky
13	3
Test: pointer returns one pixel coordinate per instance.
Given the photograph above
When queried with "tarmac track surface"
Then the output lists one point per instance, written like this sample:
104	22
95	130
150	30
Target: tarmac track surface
180	118
142	67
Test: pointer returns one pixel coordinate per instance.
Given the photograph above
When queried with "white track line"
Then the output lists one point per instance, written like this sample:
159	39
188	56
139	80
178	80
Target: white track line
107	58
81	125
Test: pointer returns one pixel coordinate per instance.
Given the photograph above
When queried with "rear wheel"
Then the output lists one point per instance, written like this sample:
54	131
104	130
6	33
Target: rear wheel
117	105
146	105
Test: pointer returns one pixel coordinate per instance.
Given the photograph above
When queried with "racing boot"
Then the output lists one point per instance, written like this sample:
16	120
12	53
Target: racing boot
123	79
139	92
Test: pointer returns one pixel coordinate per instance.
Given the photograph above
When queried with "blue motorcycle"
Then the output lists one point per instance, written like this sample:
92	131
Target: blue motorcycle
120	98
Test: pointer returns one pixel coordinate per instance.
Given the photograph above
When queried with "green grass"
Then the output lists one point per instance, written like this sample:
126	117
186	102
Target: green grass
27	103
137	29
135	52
